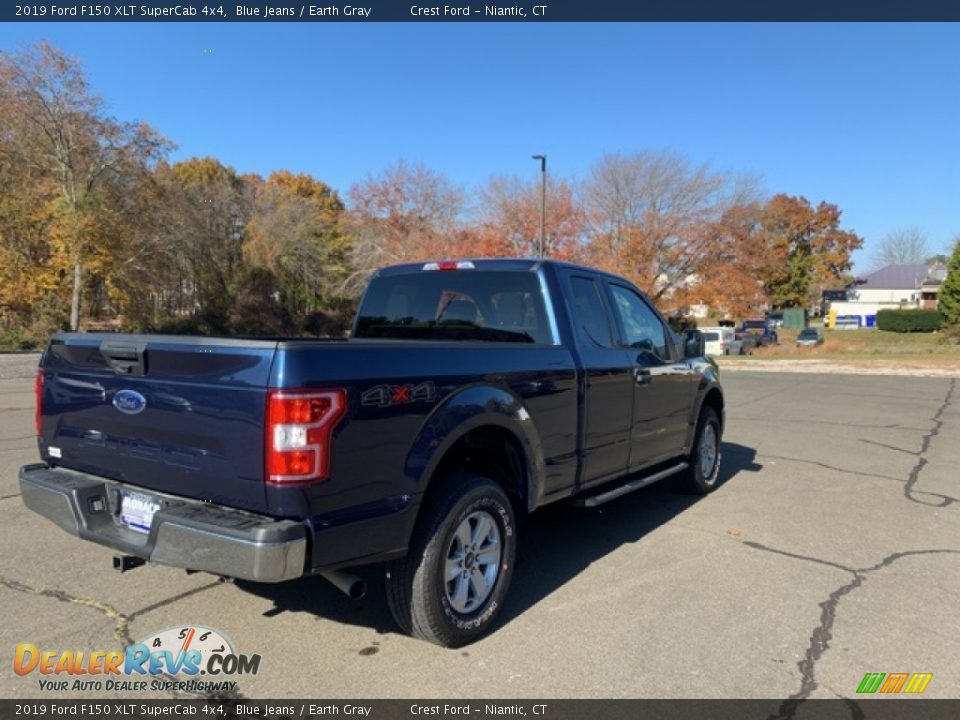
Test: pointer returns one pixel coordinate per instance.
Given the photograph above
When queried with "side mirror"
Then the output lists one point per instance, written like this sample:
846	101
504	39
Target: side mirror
694	345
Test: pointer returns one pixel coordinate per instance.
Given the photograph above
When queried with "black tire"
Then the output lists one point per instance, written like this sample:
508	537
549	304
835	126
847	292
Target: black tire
695	479
418	593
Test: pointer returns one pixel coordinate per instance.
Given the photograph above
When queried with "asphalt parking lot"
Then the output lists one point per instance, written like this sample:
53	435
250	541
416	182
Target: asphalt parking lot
831	549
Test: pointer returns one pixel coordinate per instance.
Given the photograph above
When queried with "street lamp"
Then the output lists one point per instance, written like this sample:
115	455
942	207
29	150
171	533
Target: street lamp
543	201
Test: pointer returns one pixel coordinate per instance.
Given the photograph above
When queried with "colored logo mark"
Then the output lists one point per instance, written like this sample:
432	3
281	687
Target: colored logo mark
893	683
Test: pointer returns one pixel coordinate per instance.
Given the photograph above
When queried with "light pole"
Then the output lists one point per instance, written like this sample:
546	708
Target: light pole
543	201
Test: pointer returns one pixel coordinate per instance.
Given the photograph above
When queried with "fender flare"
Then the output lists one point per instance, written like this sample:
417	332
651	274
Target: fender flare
709	381
469	408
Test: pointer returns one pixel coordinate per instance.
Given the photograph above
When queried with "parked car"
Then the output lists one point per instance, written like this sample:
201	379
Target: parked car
469	393
721	341
810	337
763	329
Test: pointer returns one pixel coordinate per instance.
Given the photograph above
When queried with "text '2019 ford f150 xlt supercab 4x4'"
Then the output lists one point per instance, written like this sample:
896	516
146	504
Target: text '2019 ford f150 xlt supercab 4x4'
469	393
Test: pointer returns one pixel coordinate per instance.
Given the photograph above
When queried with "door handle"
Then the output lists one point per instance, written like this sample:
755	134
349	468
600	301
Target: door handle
641	376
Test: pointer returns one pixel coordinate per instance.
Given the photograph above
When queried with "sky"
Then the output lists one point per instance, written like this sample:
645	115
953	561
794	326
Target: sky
866	116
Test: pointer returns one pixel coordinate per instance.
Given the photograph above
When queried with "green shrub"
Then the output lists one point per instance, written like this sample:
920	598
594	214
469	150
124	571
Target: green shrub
17	339
909	320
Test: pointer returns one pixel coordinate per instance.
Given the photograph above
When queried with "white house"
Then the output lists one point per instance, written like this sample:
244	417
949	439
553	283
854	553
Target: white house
894	287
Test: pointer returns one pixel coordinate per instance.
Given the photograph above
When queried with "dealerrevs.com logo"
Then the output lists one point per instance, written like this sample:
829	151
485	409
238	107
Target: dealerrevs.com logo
188	658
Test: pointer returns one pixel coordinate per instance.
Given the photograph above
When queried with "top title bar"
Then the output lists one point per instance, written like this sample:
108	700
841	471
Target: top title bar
469	11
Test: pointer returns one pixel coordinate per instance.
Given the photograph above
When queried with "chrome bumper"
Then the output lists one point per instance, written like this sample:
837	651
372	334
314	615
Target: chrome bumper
184	533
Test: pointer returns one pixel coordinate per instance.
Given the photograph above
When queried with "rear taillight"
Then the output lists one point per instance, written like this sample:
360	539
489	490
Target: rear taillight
298	430
38	403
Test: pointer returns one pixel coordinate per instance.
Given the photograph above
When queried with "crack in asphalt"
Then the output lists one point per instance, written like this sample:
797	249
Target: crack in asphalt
909	485
895	448
937	420
8	497
822	634
759	398
121	626
845	471
867	426
121	630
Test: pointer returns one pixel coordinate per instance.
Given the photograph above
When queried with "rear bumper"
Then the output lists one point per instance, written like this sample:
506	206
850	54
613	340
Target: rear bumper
184	533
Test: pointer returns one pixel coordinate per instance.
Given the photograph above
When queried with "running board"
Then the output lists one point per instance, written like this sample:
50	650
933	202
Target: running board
629	487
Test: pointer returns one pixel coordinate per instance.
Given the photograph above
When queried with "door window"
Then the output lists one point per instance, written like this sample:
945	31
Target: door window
642	328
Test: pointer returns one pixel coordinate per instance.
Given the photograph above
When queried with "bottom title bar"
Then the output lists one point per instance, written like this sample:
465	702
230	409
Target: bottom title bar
234	709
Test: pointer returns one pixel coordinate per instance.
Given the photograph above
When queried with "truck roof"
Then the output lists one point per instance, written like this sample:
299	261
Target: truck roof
502	263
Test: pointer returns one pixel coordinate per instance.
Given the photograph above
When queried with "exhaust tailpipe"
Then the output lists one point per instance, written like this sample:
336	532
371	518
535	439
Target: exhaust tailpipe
347	583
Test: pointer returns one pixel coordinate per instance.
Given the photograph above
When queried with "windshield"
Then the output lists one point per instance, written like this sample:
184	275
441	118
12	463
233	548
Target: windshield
809	333
711	336
494	306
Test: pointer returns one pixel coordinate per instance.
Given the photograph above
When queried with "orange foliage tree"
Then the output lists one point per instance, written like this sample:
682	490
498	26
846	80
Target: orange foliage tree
807	246
509	222
654	218
407	212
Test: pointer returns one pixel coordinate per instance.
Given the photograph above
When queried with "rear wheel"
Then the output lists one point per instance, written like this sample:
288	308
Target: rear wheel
450	587
704	460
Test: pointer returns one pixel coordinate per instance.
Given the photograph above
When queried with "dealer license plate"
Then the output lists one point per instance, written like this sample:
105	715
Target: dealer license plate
137	510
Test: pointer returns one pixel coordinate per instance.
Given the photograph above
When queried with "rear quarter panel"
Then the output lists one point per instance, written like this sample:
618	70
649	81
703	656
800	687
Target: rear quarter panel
384	449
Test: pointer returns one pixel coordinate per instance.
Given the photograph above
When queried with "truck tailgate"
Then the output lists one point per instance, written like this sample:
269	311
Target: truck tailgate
180	415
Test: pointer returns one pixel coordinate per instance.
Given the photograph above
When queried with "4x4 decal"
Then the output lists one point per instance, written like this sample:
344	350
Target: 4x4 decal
387	395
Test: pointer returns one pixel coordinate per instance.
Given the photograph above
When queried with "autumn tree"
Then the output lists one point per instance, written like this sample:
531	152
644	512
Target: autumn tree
729	279
407	212
125	257
808	250
205	207
509	221
295	232
948	299
32	265
907	246
256	309
653	216
55	125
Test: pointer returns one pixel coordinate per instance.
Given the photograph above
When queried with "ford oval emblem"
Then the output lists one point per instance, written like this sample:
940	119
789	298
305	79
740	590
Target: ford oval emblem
129	402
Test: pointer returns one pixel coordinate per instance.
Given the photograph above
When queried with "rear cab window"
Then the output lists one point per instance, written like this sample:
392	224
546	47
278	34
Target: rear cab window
590	311
492	306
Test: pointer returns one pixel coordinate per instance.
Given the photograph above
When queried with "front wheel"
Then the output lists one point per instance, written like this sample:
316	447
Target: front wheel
450	587
703	469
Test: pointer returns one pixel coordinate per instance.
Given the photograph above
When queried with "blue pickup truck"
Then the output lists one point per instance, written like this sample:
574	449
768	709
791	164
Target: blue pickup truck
469	393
